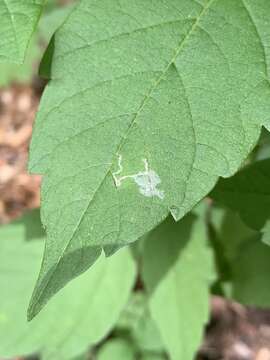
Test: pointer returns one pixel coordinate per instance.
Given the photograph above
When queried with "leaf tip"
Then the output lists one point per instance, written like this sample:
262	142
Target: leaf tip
31	312
35	306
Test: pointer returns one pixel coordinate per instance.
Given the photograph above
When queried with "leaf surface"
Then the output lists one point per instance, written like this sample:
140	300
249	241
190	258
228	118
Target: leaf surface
136	320
247	257
18	22
80	316
117	349
250	280
178	271
149	103
23	73
248	193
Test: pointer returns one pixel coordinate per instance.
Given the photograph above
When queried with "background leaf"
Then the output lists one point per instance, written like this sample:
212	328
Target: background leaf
116	349
18	22
250	282
247	259
140	328
78	317
248	193
178	271
21	73
31	225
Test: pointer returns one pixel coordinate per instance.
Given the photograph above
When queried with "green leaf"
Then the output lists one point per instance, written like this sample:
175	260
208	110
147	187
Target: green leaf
80	316
262	150
228	235
51	21
146	335
247	257
32	226
117	349
18	21
142	329
266	233
149	103
81	357
178	271
250	282
231	231
153	357
248	193
46	27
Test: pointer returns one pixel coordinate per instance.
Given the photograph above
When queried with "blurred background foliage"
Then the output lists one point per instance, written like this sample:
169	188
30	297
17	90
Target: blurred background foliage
113	311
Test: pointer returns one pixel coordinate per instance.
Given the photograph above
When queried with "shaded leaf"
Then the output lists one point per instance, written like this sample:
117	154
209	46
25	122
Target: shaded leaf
228	235
142	329
250	282
178	271
231	231
248	193
80	316
32	225
266	233
117	349
262	150
153	357
247	257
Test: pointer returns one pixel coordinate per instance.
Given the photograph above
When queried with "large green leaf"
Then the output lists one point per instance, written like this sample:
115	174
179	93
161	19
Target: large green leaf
81	315
248	193
150	102
178	270
18	20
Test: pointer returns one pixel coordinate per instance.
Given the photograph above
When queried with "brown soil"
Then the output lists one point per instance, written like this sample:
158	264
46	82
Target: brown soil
235	332
18	190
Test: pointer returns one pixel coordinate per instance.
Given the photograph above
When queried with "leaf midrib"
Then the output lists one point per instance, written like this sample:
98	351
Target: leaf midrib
146	98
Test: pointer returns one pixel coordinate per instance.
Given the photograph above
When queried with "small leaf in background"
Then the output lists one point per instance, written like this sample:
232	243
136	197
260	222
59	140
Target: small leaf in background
153	357
48	24
78	317
227	233
248	193
178	271
21	73
32	227
266	233
231	231
247	258
262	149
193	112
251	269
18	22
141	328
146	335
116	349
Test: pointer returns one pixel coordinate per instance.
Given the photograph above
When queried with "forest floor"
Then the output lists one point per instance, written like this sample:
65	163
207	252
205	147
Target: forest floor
235	332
